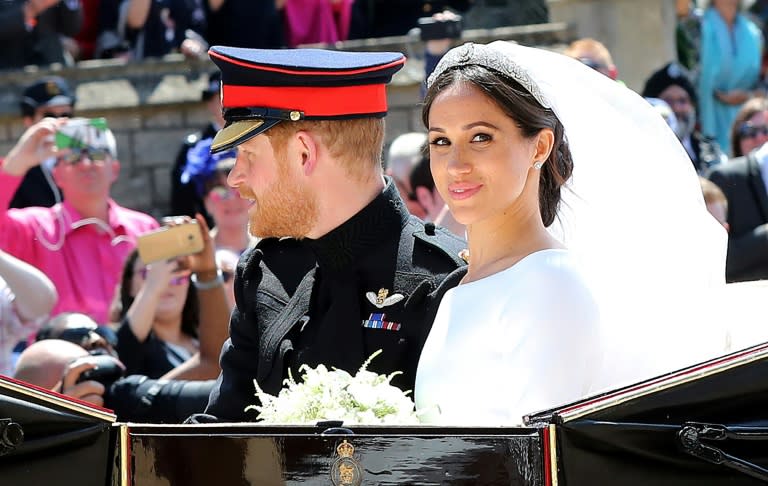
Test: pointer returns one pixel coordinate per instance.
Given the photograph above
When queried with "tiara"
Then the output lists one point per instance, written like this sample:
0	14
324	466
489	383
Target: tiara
471	54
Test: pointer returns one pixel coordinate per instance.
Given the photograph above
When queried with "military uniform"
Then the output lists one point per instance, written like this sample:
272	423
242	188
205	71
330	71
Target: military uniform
374	282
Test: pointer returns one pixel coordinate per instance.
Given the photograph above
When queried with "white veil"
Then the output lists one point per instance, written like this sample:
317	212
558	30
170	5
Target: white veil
633	214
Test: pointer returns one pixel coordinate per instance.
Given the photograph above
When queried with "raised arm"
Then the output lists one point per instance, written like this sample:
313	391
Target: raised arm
35	293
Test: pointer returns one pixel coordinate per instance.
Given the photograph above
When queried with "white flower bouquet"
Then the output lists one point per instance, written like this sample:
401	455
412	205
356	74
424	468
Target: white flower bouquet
367	398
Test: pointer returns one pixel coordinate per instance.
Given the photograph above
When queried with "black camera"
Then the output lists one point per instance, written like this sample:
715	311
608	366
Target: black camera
108	370
432	29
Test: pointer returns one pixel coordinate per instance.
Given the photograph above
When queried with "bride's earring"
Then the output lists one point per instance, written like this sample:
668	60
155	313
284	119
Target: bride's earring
538	165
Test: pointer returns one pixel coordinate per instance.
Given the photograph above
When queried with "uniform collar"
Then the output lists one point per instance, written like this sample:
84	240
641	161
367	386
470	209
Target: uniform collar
382	219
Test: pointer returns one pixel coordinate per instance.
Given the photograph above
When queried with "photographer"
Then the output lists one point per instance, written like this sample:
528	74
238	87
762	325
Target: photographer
67	368
86	222
163	307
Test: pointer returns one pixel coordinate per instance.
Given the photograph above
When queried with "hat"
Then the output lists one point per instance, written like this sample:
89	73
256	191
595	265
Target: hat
48	91
671	74
262	87
202	164
213	87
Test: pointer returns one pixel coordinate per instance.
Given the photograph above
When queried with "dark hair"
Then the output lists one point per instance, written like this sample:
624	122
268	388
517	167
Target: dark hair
190	314
421	175
530	117
747	111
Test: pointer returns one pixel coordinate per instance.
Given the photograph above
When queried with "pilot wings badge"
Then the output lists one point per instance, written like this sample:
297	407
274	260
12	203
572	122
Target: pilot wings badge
380	299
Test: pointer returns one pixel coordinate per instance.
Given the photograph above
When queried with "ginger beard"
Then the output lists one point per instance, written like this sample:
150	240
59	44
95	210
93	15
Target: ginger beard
284	208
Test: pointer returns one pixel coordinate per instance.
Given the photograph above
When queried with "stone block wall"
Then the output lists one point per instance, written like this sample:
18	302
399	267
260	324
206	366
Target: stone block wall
152	106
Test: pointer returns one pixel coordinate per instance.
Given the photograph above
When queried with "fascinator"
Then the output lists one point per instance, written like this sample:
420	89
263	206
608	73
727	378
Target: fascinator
201	164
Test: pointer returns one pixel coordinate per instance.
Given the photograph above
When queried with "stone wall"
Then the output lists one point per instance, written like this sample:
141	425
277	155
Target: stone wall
152	106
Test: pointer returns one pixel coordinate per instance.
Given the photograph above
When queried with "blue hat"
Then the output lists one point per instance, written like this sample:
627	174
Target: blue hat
262	87
201	164
47	91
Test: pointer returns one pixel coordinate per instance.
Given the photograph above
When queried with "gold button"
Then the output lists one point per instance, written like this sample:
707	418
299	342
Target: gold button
295	116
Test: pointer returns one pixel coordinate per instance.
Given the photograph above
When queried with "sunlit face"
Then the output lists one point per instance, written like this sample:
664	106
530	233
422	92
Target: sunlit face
225	205
173	298
282	204
86	177
479	158
754	132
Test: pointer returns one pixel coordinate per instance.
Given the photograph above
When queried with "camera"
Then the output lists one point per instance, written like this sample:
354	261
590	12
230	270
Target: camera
433	29
108	370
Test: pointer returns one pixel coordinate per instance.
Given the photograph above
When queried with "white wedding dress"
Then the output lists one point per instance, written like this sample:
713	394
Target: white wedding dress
633	218
519	341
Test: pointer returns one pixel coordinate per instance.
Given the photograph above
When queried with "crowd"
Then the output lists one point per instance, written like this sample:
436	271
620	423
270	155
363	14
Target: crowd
293	253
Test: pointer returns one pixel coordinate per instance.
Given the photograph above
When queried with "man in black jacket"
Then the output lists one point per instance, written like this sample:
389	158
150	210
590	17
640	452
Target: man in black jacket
743	182
342	268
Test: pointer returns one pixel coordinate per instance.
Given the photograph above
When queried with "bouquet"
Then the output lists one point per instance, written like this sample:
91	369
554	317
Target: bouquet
367	398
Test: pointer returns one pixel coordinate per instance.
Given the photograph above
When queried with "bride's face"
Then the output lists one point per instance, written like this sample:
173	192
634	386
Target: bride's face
480	160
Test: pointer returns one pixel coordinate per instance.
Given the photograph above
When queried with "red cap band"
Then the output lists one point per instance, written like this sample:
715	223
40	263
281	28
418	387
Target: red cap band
344	101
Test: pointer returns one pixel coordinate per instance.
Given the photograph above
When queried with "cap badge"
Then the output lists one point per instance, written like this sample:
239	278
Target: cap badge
381	300
52	88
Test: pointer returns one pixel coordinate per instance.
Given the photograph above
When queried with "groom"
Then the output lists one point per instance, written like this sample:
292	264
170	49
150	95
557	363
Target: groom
342	268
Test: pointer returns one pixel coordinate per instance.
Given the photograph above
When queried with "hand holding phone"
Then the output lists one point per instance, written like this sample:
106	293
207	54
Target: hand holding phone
170	242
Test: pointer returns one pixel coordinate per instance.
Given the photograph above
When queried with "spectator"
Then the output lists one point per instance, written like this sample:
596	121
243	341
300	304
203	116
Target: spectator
153	28
47	97
227	208
750	127
594	54
743	181
688	35
80	243
245	23
384	18
31	30
405	153
316	21
186	197
26	298
81	330
671	84
731	53
56	365
85	40
160	311
716	202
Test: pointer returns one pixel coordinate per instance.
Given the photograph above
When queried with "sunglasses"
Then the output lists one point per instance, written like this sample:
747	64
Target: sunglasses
85	336
174	281
76	156
48	114
749	130
221	193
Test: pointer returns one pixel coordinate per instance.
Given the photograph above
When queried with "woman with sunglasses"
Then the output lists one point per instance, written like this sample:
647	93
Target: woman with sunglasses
750	127
161	311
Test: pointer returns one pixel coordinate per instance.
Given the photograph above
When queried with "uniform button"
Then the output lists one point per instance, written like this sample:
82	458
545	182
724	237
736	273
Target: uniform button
429	228
401	341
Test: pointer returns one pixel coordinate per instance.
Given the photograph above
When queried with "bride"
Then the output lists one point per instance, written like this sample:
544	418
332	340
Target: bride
592	257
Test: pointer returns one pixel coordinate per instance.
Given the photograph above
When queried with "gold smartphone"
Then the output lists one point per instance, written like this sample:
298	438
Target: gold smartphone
170	242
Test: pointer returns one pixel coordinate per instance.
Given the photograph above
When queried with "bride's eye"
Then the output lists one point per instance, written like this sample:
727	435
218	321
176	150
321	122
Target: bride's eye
481	137
439	141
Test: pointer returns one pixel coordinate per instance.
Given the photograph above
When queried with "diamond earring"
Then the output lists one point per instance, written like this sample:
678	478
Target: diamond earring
538	165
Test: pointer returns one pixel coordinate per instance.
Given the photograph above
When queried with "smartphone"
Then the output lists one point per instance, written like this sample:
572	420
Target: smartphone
82	133
170	242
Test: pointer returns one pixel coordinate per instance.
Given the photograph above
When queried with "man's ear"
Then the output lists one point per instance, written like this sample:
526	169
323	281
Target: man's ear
307	150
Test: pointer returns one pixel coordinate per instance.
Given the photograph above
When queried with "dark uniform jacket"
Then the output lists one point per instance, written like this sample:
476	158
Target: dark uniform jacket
743	185
373	283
